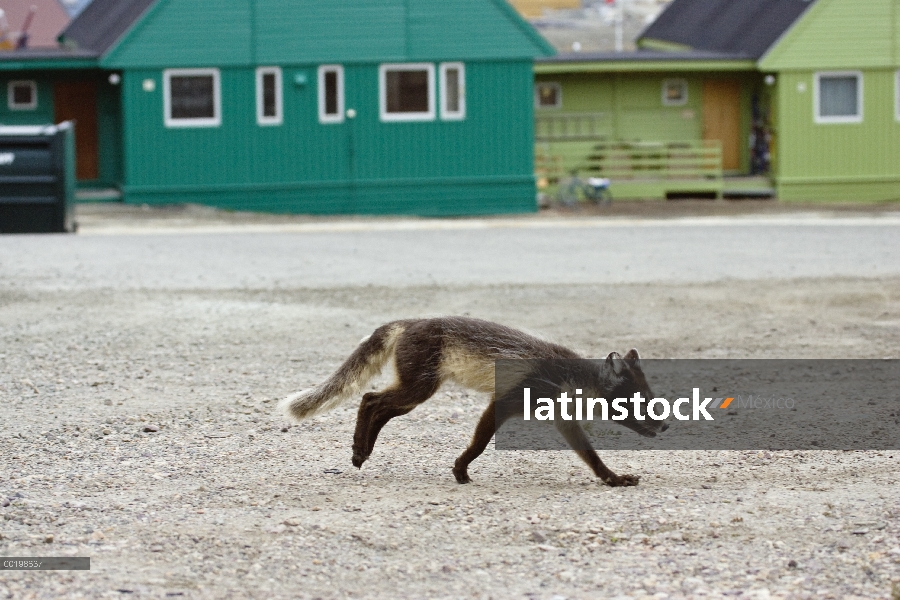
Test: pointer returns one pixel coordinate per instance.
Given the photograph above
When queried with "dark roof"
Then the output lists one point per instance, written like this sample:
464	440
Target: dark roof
748	27
641	55
99	26
33	54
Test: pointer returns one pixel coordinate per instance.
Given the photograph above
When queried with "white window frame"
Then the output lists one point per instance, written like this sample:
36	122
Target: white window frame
665	97
857	118
537	95
382	92
339	117
10	99
262	119
453	115
214	121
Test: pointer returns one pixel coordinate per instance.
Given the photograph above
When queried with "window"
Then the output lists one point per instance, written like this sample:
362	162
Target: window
453	91
547	95
331	94
21	95
897	97
407	92
268	96
838	97
674	92
192	98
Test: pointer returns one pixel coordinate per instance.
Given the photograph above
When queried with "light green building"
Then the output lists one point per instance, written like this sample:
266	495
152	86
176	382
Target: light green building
799	97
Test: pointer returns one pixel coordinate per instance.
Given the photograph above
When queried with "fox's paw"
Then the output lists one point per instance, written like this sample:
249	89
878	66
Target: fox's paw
461	476
622	480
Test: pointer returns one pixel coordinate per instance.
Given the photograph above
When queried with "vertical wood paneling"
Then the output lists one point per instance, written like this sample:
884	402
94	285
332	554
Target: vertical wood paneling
494	141
838	150
365	31
631	108
303	164
838	34
632	103
187	33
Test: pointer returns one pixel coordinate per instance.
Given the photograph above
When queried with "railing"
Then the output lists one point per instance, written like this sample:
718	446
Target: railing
669	166
571	126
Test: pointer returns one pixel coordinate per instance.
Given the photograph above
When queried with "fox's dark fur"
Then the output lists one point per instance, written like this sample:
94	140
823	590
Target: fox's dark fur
428	352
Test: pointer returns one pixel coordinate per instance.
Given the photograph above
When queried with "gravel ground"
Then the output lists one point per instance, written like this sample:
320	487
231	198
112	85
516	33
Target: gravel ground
139	430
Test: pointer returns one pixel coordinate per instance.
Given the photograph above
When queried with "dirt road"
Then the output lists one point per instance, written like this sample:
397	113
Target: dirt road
138	429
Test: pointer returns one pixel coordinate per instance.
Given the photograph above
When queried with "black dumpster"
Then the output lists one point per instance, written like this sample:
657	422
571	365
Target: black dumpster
37	178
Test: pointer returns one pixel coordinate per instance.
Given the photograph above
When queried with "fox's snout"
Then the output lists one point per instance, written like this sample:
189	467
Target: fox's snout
646	429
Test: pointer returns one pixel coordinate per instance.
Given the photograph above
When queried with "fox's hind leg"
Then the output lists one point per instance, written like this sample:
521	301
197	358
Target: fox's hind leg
377	408
417	357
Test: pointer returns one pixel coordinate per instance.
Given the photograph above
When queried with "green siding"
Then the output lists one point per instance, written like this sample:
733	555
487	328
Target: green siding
181	33
633	110
481	164
186	33
846	161
830	161
632	105
42	114
332	31
839	34
109	133
469	29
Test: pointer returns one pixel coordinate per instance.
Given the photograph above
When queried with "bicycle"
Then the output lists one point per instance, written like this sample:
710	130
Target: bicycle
575	190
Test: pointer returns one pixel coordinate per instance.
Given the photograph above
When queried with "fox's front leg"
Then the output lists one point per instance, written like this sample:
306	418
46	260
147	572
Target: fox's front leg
621	480
491	420
580	443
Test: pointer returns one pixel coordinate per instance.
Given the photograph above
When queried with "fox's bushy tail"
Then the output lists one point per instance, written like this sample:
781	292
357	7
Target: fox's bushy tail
365	363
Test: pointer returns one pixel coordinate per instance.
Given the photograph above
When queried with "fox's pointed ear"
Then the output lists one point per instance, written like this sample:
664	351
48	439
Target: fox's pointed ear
614	360
633	359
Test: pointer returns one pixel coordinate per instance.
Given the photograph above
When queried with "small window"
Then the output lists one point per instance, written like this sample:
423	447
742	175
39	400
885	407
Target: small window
268	96
21	95
192	98
331	94
547	95
407	92
674	92
838	97
453	91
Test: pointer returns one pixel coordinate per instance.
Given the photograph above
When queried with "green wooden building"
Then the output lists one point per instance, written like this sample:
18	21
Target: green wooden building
395	106
802	97
658	124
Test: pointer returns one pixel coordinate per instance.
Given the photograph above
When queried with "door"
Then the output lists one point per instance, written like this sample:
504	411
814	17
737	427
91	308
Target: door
722	119
77	101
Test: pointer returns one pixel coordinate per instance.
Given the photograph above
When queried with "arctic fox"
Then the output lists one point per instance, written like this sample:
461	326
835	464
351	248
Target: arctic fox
428	352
